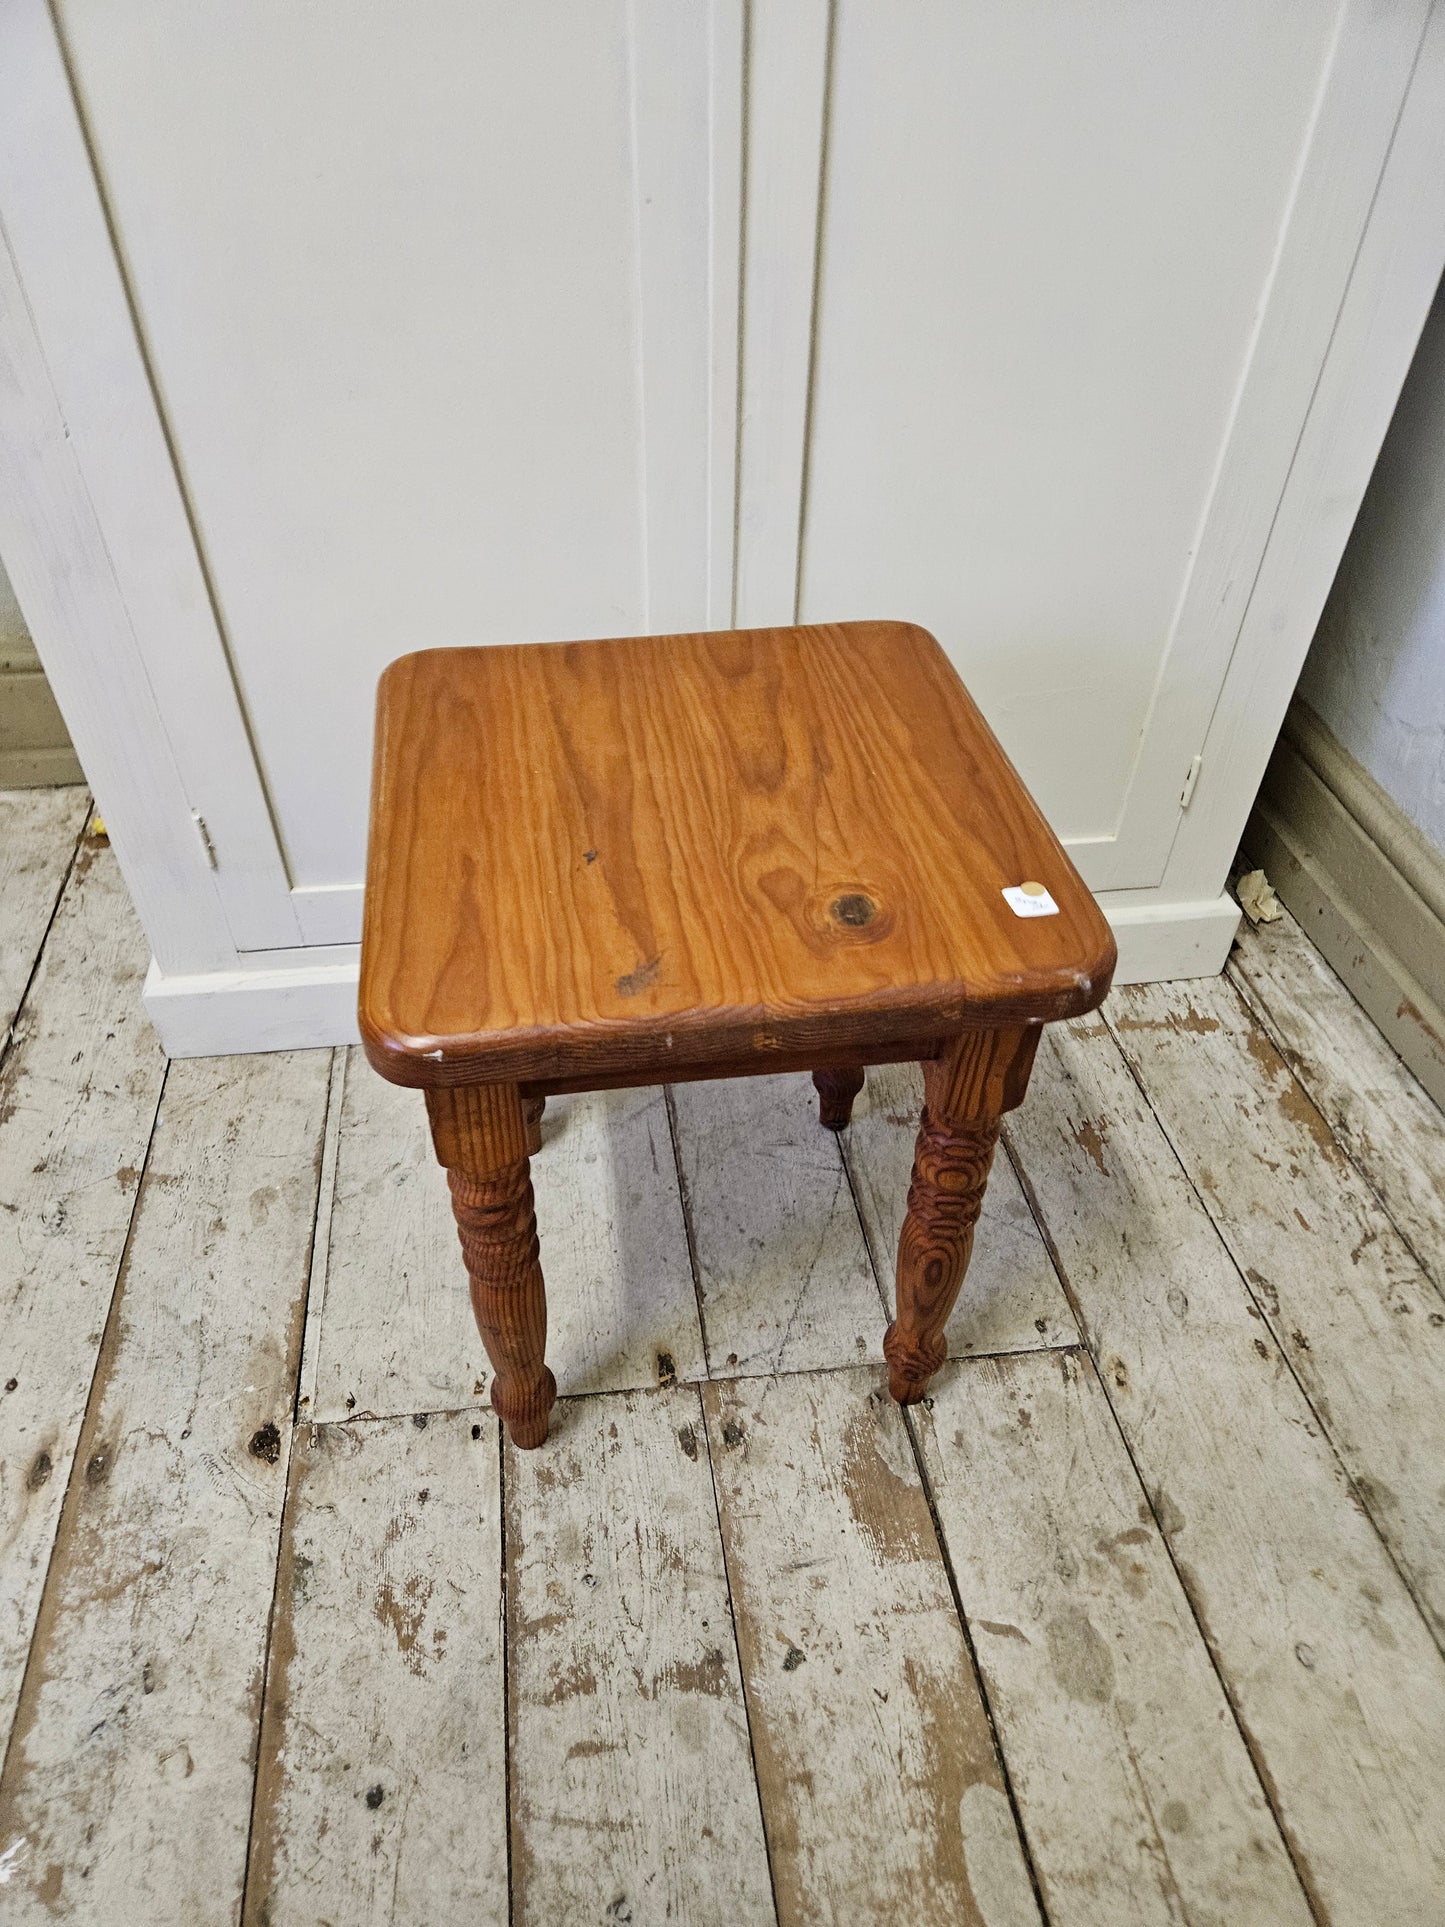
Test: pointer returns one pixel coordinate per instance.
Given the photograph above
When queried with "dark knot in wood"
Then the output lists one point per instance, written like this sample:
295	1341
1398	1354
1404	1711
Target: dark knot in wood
854	909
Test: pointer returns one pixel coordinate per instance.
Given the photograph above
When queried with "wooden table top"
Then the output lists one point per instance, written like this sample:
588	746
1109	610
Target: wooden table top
592	861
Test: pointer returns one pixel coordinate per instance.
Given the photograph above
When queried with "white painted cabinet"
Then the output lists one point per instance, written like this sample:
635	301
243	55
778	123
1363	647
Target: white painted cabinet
1069	331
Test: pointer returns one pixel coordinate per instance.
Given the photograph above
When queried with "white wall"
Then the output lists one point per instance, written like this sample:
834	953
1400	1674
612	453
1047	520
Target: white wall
1375	674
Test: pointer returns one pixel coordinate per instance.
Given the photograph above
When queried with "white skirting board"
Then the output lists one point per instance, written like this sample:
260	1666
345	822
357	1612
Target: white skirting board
294	1002
1160	941
217	1012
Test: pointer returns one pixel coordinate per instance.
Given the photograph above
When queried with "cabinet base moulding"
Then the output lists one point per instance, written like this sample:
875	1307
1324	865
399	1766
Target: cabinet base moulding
256	1006
285	1000
1159	941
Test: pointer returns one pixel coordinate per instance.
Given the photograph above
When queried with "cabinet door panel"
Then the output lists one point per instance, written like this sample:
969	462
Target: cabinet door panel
1077	274
440	305
389	265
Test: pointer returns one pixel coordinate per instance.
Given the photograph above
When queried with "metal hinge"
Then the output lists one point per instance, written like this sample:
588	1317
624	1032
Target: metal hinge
1190	780
205	835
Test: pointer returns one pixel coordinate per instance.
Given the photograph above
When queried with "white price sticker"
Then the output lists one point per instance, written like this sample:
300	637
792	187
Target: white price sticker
1030	900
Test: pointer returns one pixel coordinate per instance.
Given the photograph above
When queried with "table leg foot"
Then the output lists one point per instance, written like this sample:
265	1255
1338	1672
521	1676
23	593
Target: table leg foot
483	1136
497	1225
967	1088
836	1091
950	1170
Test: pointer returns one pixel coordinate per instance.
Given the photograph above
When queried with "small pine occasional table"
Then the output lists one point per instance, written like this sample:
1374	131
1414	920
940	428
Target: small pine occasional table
602	864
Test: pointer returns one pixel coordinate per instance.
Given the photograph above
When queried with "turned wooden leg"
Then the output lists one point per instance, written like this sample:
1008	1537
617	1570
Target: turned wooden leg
836	1091
966	1091
950	1170
484	1136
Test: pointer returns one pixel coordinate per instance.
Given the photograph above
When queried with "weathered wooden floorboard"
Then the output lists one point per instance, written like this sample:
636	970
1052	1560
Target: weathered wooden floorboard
38	833
394	1331
633	1796
881	1790
622	1310
1335	1679
78	1095
1347	1302
1011	1299
1139	1799
381	1793
321	1239
396	1328
783	1271
1382	1116
127	1790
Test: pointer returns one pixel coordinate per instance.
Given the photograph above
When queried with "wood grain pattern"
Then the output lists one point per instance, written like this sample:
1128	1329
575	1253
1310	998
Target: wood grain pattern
1359	1321
78	1096
497	1224
480	1128
966	1091
1012	1300
128	1784
981	1073
740	847
847	1627
482	1135
1141	1805
738	843
950	1169
382	1759
633	1793
1334	1677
